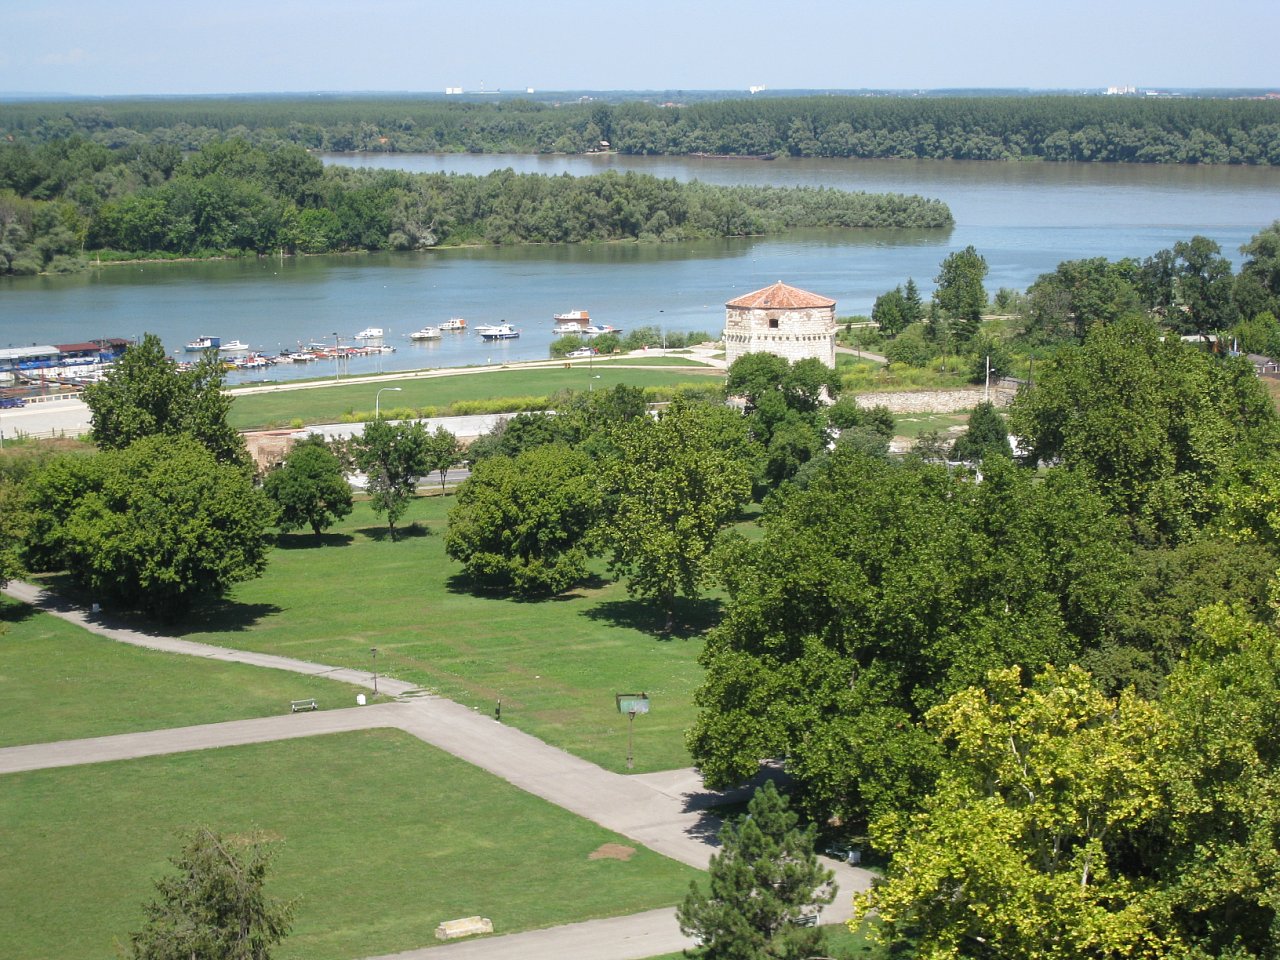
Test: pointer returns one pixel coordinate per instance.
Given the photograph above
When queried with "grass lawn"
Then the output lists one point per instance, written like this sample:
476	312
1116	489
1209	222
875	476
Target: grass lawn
328	404
61	682
384	837
555	664
914	424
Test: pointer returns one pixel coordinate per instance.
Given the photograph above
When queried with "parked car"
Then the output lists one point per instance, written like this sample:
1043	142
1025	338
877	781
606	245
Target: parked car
844	852
10	402
580	353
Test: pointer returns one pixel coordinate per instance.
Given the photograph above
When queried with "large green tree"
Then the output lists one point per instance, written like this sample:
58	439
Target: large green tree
393	456
522	524
1010	855
147	395
960	294
310	488
671	486
152	527
1156	425
216	906
763	880
443	452
876	590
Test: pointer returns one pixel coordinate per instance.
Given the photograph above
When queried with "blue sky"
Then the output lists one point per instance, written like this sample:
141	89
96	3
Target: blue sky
91	47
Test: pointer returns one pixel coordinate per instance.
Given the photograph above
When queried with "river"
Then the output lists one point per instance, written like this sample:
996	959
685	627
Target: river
1024	218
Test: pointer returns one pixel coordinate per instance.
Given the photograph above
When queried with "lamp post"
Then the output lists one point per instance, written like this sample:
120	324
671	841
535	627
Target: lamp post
377	400
337	349
373	651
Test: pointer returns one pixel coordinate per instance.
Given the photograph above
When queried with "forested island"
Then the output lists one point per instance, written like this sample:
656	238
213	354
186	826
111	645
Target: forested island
1052	128
67	199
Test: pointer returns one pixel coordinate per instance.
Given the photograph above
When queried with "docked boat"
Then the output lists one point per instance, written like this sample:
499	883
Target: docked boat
204	343
568	327
234	346
454	323
597	329
301	356
370	333
426	333
573	316
501	331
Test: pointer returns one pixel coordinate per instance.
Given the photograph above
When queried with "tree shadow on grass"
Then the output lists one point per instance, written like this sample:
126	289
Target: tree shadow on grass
462	583
219	616
693	618
309	541
383	534
15	611
215	614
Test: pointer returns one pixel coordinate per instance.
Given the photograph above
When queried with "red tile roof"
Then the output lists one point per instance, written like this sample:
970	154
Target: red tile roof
781	297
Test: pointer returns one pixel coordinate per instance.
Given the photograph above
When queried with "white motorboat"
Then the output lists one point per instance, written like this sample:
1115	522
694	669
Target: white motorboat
568	327
454	323
204	343
370	333
573	316
426	333
501	331
597	329
234	346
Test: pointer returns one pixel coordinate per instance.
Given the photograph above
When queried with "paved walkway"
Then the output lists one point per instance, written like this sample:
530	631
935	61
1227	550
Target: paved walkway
666	811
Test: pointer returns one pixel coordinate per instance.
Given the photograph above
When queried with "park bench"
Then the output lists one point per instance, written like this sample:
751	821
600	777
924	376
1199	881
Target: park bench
307	704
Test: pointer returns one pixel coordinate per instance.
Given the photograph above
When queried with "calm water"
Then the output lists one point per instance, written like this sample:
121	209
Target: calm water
1024	218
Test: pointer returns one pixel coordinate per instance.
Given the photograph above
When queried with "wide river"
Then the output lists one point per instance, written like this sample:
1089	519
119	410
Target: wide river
1024	218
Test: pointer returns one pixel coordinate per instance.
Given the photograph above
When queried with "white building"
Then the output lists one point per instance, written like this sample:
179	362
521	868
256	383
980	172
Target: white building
781	320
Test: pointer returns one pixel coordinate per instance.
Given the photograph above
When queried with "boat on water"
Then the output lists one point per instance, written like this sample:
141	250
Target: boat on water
572	316
370	333
426	333
597	329
568	327
234	346
501	331
204	343
454	323
301	356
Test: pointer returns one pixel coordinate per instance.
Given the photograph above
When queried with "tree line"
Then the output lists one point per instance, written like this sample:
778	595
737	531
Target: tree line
65	200
1053	128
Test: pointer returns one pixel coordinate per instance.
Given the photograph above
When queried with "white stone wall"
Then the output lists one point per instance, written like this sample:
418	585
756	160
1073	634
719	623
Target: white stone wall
799	334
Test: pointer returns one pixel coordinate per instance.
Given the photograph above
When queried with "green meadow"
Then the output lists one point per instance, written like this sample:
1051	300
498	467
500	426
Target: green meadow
381	838
555	664
331	402
60	682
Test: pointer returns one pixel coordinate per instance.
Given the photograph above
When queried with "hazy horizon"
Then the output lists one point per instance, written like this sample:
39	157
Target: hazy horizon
80	48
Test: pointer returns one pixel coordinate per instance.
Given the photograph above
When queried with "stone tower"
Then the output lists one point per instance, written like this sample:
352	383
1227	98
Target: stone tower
781	320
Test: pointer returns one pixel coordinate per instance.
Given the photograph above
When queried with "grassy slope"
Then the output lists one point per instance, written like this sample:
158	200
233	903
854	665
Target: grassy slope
60	682
555	665
384	838
330	403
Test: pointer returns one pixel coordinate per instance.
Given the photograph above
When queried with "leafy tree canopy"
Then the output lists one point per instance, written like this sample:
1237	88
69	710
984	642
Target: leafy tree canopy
522	523
147	395
393	457
152	527
310	488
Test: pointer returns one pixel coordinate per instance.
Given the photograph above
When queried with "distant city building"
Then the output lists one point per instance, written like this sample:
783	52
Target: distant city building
452	91
1121	91
784	321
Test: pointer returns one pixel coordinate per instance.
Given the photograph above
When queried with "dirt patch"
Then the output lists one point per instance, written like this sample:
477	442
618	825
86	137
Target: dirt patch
612	851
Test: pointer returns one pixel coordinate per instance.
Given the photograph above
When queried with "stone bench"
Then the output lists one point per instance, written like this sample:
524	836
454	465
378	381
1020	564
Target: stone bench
466	927
307	704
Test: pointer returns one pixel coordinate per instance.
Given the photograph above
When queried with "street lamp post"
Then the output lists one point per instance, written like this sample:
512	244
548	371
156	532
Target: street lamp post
377	400
374	653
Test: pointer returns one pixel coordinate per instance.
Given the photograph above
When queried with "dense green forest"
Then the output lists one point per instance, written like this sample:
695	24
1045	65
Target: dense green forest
63	199
1110	129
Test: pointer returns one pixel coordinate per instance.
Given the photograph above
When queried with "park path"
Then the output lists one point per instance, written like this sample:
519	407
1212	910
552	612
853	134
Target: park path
667	811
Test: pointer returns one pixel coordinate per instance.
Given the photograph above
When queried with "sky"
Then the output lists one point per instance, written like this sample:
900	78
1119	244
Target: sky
96	48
